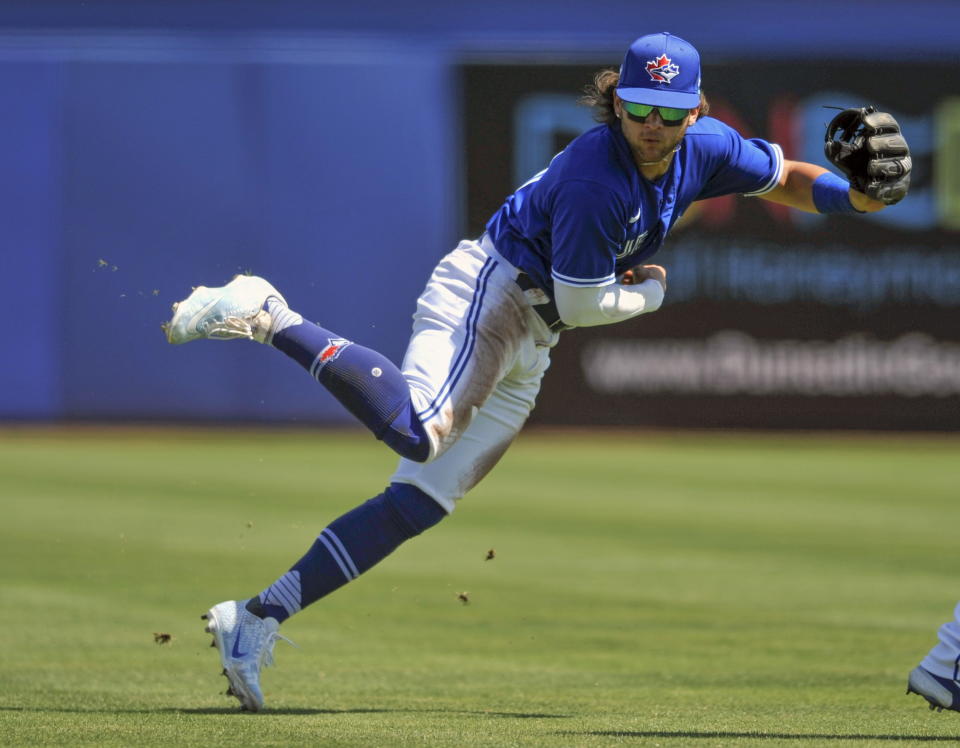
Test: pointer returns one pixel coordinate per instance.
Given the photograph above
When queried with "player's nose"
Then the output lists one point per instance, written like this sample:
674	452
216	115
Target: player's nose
654	119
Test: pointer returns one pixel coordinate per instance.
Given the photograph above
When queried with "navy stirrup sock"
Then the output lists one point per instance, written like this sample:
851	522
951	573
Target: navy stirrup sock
367	383
348	547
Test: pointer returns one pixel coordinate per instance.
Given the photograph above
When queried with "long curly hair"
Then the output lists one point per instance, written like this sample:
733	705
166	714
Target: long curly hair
599	95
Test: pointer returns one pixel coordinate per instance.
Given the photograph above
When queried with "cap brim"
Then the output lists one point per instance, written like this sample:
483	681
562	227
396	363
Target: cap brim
658	97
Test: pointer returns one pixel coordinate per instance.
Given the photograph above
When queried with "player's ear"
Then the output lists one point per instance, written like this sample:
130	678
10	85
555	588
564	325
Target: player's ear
617	106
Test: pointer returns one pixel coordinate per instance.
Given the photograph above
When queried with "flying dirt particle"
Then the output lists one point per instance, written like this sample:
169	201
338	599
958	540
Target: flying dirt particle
491	554
464	597
161	638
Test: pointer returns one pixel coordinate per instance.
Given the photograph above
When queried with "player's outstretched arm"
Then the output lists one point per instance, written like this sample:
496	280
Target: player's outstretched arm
796	189
869	149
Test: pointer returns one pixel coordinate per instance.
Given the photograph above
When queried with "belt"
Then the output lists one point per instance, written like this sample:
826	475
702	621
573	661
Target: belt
539	300
547	310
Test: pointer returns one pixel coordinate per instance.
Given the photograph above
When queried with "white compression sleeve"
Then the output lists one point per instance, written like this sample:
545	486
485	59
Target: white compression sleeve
604	305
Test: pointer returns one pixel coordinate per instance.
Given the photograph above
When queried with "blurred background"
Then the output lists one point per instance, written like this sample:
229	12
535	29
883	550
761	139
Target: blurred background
339	149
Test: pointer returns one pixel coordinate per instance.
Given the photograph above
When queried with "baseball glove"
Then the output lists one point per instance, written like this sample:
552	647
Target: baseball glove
867	146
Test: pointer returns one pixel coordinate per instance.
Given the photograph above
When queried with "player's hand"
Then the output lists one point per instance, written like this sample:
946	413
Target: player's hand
645	272
865	203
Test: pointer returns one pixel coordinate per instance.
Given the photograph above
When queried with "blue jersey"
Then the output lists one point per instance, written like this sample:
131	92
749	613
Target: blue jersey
590	215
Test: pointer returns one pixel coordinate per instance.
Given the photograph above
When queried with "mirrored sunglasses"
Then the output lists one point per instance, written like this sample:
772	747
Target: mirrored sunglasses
671	116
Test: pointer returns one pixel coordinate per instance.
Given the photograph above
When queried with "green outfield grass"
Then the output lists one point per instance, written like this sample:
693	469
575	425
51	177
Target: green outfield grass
647	589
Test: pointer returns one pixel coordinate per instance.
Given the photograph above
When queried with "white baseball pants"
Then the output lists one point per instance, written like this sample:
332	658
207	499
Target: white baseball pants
474	364
944	659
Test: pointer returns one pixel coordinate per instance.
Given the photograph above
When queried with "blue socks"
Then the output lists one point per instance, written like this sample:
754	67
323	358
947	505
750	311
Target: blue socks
348	547
368	384
374	390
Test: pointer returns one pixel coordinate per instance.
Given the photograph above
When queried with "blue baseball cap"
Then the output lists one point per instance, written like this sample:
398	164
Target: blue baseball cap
661	69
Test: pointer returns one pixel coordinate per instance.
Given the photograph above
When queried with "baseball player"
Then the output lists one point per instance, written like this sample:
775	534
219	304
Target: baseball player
568	249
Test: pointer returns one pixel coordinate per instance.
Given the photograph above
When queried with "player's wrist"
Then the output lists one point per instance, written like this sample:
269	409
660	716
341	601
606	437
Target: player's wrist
832	194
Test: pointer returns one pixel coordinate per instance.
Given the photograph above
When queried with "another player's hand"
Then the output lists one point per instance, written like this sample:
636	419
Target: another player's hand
645	272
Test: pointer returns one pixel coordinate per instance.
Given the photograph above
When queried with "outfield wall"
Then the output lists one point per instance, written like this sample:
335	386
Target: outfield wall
153	146
132	173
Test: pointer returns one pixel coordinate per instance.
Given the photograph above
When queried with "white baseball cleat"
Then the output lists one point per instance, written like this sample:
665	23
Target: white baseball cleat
246	645
235	310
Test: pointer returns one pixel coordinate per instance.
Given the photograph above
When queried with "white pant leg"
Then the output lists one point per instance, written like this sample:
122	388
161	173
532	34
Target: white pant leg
496	424
475	361
471	323
944	659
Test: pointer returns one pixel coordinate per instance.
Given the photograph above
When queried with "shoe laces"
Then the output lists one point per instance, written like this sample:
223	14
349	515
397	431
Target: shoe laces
229	328
257	327
268	645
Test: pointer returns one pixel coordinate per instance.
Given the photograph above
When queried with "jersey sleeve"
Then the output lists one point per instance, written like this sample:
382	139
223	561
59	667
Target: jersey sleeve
747	167
587	229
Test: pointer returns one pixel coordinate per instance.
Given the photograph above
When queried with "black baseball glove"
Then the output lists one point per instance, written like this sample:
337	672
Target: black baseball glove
868	147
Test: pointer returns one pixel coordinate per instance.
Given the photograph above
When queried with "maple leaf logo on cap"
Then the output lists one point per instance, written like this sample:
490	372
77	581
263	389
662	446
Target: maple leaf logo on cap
662	70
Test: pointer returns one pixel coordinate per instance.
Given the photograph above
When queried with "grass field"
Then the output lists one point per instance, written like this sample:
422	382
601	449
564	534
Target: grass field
647	589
